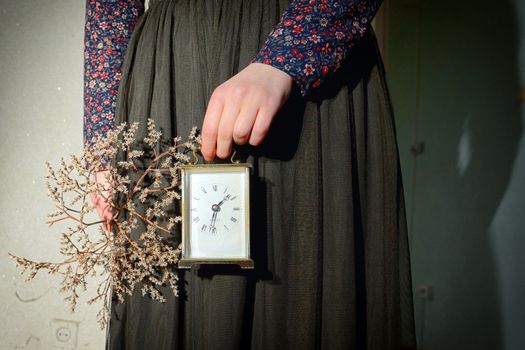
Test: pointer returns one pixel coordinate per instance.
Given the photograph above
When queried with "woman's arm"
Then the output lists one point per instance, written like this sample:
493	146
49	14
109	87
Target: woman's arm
313	37
108	28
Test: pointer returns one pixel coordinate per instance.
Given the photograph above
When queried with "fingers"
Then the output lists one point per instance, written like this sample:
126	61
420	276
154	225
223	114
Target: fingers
211	124
100	197
107	212
225	132
102	207
262	124
244	123
241	109
228	121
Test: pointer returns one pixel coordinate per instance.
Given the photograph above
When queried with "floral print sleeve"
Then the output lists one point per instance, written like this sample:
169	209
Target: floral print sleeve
108	28
313	37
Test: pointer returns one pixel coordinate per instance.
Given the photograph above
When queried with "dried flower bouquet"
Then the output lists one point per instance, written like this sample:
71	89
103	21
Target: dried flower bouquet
143	192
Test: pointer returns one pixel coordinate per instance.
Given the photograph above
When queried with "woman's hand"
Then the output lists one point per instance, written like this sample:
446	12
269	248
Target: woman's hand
242	108
100	201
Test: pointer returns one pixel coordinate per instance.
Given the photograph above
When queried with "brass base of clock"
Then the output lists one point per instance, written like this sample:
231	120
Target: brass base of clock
243	263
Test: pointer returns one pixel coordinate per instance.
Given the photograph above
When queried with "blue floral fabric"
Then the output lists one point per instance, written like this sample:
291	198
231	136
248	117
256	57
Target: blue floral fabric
311	40
108	28
313	37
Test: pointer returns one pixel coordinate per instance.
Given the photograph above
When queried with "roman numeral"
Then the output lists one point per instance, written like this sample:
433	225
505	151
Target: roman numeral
233	219
203	190
203	228
215	187
227	228
232	198
236	208
196	219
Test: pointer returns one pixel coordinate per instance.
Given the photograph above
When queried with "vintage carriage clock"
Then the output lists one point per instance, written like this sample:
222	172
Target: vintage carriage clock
216	214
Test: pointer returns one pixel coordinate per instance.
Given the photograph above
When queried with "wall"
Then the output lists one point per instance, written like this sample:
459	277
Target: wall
507	229
40	119
454	73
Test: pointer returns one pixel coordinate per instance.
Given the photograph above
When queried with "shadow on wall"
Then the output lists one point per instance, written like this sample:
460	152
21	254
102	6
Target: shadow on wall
466	113
509	222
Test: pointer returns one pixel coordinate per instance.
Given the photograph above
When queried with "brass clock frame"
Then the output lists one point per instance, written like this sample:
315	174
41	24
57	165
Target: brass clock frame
186	261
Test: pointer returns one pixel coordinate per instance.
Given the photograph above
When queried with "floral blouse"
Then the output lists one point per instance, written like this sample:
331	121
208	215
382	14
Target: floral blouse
311	39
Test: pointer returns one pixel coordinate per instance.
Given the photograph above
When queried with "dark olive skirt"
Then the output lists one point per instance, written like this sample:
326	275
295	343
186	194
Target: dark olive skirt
329	234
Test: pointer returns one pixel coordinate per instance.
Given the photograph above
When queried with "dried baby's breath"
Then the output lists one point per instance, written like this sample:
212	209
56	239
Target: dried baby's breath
142	189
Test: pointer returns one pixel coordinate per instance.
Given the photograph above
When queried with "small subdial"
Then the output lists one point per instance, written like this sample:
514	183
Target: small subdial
215	209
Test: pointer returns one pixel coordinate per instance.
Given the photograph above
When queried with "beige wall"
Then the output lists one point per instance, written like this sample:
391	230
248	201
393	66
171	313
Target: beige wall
41	44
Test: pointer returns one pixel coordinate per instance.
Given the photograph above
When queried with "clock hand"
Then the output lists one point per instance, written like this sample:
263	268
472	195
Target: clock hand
213	229
216	208
225	198
213	218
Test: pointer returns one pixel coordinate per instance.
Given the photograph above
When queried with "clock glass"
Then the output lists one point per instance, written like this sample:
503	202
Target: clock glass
215	213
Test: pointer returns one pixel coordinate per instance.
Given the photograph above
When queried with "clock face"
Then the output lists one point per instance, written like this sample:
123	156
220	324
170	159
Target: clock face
216	214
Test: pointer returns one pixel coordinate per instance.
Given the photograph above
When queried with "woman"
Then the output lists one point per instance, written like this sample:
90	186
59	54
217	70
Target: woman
308	106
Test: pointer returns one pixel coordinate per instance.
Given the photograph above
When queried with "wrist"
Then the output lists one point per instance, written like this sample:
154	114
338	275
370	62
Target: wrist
278	79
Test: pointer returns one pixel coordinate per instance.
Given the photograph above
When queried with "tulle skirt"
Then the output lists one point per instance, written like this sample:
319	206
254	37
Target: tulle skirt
329	234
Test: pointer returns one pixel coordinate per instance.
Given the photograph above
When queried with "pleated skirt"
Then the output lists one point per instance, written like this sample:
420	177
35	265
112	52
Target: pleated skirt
329	234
